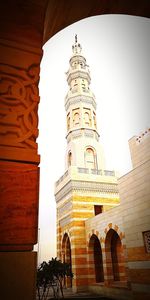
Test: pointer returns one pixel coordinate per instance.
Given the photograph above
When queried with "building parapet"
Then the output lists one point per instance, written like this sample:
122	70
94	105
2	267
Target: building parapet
76	171
61	178
96	172
139	148
141	136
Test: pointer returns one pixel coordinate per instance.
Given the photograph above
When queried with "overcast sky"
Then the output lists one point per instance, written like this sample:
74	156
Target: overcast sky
117	50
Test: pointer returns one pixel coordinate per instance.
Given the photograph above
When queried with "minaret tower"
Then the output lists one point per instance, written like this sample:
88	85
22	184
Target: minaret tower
86	188
83	149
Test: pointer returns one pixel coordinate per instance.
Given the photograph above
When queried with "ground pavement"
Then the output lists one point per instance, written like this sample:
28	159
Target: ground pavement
68	294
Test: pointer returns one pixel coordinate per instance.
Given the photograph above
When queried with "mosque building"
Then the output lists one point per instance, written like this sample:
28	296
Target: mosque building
103	222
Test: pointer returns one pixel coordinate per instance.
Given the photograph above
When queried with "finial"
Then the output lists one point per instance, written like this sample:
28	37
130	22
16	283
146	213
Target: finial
76	48
76	38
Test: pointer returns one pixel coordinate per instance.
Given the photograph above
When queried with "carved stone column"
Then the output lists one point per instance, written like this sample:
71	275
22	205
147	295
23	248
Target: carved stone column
19	171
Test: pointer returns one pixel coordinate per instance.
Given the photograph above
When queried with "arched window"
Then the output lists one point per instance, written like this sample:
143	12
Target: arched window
115	256
69	159
68	121
95	258
87	118
90	158
76	119
94	119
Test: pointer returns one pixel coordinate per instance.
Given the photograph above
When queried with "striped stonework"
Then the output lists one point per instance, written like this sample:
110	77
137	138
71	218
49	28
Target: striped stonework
114	255
111	256
71	216
95	259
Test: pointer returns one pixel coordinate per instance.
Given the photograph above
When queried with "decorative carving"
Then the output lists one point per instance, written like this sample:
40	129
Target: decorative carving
146	236
93	187
76	99
89	133
19	103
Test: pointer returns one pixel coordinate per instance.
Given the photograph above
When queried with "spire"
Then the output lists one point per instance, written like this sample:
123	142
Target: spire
76	48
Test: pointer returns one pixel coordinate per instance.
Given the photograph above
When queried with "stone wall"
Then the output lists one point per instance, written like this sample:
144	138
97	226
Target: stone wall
131	220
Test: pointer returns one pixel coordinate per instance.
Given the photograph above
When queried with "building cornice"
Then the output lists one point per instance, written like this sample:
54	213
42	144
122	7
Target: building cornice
70	100
86	132
86	186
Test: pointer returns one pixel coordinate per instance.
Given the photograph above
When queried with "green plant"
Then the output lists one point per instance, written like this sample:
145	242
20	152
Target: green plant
51	276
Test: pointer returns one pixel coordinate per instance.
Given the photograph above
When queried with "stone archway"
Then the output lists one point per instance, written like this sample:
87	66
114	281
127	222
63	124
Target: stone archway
66	256
95	259
115	261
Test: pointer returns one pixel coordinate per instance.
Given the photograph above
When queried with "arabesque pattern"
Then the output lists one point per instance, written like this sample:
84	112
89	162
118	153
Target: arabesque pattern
19	101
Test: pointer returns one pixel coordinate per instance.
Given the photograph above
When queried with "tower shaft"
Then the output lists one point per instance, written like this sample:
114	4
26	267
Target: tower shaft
86	188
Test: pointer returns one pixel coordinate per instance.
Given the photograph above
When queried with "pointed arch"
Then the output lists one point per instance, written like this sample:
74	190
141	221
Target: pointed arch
90	158
76	118
115	260
86	117
66	256
69	158
68	121
95	259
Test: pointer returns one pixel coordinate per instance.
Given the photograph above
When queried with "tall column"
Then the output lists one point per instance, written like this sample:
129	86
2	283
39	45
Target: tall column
20	56
19	172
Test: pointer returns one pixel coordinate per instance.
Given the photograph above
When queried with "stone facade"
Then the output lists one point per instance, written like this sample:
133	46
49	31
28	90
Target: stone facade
131	221
77	198
134	189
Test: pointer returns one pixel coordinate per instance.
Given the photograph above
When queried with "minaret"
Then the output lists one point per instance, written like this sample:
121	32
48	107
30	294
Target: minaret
86	188
83	149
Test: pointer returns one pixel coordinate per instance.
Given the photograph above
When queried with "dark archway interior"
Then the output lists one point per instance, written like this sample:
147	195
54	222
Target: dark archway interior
115	255
66	249
97	258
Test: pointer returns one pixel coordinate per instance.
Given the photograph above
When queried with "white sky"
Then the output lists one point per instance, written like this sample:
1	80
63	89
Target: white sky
117	49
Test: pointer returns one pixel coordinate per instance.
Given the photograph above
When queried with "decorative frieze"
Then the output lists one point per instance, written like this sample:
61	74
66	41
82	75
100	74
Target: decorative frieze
95	186
71	100
77	133
86	186
78	73
89	133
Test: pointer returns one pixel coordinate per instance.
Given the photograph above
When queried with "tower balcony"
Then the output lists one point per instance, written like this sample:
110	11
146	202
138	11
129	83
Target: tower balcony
78	73
79	174
96	172
85	98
